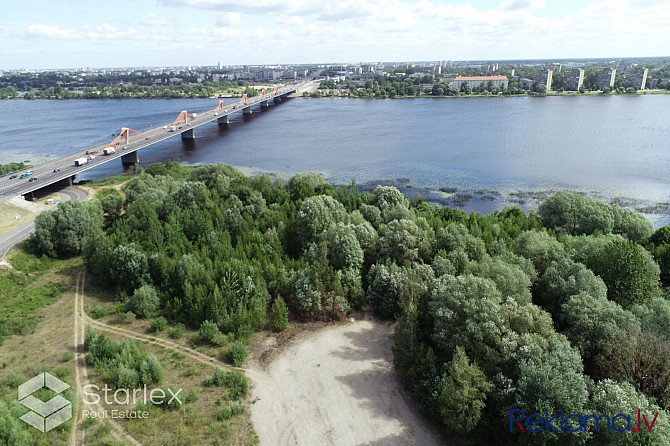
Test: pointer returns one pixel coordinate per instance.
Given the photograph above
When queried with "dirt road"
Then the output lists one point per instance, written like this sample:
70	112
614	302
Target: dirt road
336	387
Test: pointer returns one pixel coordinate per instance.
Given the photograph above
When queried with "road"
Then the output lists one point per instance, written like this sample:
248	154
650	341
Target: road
62	168
23	231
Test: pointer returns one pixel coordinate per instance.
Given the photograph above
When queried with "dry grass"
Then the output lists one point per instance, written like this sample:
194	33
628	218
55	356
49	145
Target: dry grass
8	212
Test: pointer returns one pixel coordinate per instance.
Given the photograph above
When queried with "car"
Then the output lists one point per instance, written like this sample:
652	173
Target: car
32	179
13	176
147	138
57	169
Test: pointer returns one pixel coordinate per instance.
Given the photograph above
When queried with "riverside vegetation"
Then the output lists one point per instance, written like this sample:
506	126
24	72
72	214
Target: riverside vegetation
499	311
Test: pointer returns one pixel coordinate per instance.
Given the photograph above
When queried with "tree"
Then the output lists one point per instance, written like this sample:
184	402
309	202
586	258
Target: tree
510	279
406	240
129	267
628	270
591	323
389	284
385	197
456	237
611	397
316	214
61	233
565	278
462	393
279	314
344	251
144	302
540	248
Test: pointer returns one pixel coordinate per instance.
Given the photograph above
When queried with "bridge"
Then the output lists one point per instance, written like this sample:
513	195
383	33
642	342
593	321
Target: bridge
129	142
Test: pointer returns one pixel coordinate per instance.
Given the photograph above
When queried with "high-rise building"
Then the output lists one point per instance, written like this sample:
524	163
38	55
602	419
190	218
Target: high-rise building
637	77
543	78
220	65
605	78
574	79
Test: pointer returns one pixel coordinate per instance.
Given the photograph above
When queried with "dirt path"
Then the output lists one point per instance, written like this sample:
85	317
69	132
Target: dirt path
81	373
336	387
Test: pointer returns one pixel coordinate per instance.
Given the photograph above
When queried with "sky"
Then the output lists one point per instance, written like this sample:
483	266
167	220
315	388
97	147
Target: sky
49	34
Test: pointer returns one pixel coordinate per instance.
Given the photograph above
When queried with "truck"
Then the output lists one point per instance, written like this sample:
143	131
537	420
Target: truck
25	175
80	161
108	151
173	128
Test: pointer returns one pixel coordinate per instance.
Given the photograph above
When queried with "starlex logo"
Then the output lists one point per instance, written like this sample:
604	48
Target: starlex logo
577	423
44	416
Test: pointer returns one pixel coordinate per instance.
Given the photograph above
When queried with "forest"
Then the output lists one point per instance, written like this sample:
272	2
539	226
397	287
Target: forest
565	308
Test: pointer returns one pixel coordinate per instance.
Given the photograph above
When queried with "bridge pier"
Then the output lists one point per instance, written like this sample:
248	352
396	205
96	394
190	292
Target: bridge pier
277	99
264	104
188	134
247	111
223	120
130	158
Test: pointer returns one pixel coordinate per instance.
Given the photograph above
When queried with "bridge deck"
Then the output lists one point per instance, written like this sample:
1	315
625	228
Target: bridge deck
62	168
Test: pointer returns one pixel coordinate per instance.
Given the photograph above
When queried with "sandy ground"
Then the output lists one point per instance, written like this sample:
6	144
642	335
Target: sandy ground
336	387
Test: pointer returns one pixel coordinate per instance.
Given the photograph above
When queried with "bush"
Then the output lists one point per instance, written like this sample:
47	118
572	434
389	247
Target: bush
98	312
237	384
219	377
127	317
237	353
144	302
209	331
230	410
192	396
158	325
177	332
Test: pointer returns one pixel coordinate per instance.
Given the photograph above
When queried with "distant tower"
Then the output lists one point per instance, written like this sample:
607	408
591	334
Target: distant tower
220	65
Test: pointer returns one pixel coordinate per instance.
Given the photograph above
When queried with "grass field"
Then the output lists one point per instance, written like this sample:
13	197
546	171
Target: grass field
36	317
8	213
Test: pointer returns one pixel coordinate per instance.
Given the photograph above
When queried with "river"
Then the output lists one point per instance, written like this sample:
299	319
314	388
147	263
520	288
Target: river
477	153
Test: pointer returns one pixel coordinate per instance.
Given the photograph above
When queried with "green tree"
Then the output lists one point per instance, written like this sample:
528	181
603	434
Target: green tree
628	270
144	302
316	214
462	393
565	278
61	233
279	314
540	248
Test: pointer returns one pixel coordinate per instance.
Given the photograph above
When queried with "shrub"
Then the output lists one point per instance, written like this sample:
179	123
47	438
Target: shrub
98	312
237	353
144	302
158	325
192	396
209	331
237	384
230	410
177	332
127	317
219	377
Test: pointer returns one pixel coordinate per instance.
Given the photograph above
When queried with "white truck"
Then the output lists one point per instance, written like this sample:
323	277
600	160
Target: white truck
80	161
108	150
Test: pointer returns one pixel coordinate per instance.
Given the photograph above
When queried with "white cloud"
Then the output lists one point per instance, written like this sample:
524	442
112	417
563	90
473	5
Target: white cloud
228	19
4	31
152	19
51	32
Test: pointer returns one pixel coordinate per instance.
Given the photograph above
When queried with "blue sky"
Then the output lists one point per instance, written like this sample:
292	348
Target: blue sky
94	33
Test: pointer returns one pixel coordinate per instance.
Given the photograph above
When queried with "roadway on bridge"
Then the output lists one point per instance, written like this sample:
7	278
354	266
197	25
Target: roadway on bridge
63	168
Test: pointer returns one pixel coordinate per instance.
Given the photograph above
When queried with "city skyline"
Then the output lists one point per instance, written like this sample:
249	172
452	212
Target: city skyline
59	34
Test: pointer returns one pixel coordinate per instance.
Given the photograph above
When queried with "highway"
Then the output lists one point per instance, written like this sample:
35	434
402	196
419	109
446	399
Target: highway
62	168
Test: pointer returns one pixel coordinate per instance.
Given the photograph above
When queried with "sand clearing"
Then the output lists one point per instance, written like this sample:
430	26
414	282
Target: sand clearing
336	387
